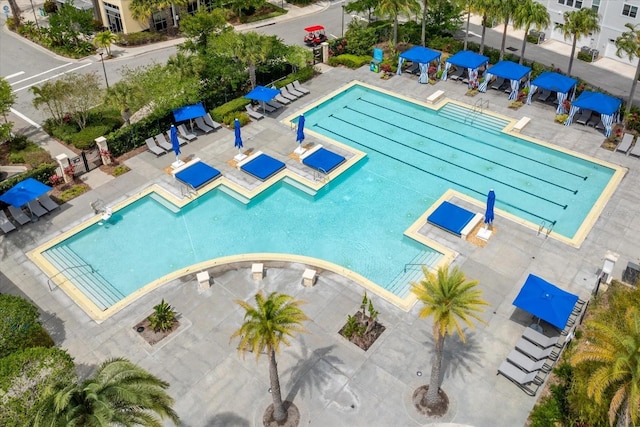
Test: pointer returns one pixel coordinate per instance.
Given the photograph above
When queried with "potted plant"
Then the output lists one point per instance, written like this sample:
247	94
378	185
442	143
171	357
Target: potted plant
514	105
561	118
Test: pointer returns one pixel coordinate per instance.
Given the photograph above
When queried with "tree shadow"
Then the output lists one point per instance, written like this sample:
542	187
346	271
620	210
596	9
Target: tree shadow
458	357
227	419
85	370
302	382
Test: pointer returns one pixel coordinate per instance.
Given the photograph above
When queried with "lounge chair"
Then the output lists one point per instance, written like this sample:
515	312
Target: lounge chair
456	74
540	339
297	86
200	124
414	68
287	95
151	145
274	104
36	208
182	130
162	142
544	95
635	151
210	122
293	92
265	108
519	377
593	120
625	145
584	116
6	225
527	364
535	352
253	113
18	215
48	203
599	125
497	83
282	100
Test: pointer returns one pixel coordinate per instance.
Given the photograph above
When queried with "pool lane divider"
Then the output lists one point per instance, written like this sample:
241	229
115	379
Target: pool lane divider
563	206
467	152
583	177
473	190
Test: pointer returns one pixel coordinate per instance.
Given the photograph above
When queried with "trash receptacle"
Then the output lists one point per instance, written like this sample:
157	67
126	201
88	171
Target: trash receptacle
374	66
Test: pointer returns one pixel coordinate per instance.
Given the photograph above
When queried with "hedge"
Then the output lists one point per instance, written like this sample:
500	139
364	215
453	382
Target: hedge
351	61
131	137
220	113
41	173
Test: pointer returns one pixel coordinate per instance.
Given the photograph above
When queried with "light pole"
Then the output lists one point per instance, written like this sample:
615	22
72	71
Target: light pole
104	70
342	20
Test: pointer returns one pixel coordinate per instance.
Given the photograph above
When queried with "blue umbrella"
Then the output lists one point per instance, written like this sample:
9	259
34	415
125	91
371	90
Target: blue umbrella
300	136
546	301
175	144
238	143
24	192
491	201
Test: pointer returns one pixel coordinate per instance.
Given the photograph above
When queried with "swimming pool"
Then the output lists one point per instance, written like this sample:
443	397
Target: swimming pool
357	221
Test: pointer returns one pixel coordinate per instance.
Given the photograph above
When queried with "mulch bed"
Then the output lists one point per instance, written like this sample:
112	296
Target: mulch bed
366	340
436	411
149	335
292	420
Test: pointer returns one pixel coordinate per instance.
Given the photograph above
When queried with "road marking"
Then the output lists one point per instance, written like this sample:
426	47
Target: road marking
52	77
26	119
14	75
44	72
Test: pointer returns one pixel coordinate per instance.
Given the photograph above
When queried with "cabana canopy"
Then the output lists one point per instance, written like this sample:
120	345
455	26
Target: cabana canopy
606	105
420	55
189	112
546	301
554	82
466	59
507	70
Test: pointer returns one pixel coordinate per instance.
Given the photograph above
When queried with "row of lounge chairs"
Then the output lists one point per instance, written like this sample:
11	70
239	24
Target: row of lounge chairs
38	207
288	94
589	118
160	144
625	146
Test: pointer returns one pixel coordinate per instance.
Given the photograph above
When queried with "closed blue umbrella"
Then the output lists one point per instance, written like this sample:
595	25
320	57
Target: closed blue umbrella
300	135
238	143
491	201
175	143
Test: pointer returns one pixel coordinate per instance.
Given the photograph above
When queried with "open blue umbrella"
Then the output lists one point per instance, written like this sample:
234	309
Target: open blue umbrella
238	143
491	201
546	301
175	143
300	135
24	192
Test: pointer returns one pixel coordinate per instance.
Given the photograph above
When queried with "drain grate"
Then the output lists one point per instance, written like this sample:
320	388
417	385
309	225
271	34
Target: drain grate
512	49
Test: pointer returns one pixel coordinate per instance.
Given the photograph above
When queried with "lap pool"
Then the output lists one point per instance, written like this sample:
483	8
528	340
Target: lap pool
357	221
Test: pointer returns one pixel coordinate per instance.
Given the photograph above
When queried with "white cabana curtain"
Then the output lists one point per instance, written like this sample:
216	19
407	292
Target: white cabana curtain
473	77
572	112
424	73
561	98
400	62
532	90
447	66
607	121
515	86
487	79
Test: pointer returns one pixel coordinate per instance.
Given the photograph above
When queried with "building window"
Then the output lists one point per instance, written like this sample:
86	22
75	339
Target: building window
159	20
630	11
595	5
114	20
571	3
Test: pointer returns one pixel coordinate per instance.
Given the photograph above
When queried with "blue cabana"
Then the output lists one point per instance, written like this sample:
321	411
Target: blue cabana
420	55
189	112
466	59
554	82
507	70
606	105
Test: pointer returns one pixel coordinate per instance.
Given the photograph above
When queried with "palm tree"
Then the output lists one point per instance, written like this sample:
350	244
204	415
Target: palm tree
450	299
530	13
423	37
487	9
505	11
614	349
265	327
143	10
578	23
467	7
119	393
105	39
393	9
629	43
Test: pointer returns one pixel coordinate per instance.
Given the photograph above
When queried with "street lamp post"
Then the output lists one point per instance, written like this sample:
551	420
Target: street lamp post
342	20
104	70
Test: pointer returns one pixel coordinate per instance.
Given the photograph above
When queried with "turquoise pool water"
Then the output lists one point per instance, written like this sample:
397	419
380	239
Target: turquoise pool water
358	220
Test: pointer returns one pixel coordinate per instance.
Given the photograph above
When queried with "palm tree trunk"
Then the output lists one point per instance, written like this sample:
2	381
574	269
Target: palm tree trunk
524	44
484	31
252	76
395	31
432	397
633	91
573	53
16	13
424	22
279	414
466	33
504	39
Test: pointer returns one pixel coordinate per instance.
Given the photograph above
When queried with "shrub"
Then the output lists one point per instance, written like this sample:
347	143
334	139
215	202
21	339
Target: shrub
446	44
125	139
220	113
242	117
18	143
135	39
50	6
561	118
350	61
16	158
37	157
584	56
85	138
72	193
19	325
120	169
12	24
163	317
41	173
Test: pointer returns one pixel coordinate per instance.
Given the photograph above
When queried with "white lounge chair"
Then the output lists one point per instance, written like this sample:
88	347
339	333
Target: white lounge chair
182	130
519	377
497	83
6	225
253	113
275	104
287	95
635	151
540	339
526	363
210	122
293	91
265	108
162	142
36	208
456	74
625	145
48	203
535	352
151	145
18	215
297	86
200	124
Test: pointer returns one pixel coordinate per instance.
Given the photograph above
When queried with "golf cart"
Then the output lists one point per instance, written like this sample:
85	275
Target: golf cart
315	35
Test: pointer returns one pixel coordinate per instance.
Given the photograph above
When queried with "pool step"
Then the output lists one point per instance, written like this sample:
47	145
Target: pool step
87	280
467	115
164	202
401	285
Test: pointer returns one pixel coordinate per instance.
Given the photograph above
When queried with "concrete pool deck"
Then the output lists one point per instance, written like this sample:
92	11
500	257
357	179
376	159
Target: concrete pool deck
331	381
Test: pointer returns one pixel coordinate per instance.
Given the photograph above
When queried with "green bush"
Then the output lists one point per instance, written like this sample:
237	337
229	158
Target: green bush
85	138
302	75
72	193
16	158
143	37
350	61
242	117
18	143
446	44
220	113
584	56
35	158
163	317
130	137
41	173
19	325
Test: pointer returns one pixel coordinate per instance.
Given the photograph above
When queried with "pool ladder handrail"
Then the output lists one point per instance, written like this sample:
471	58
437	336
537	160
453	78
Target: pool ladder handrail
542	227
477	109
320	175
50	279
188	190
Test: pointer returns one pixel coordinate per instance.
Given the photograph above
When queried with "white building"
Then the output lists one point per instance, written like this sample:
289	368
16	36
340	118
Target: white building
614	14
